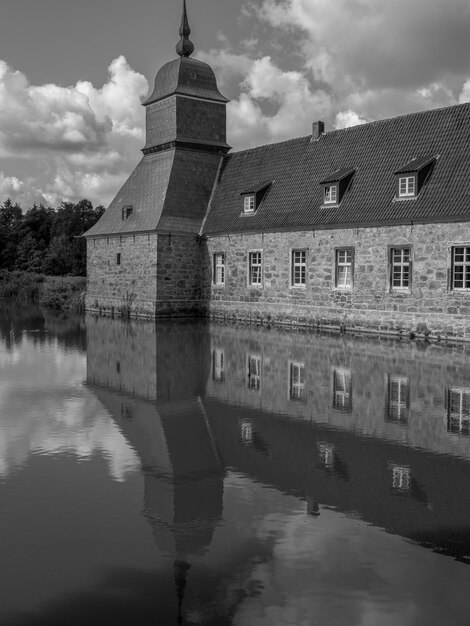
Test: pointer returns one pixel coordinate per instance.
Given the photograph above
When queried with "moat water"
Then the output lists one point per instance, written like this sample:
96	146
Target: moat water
193	473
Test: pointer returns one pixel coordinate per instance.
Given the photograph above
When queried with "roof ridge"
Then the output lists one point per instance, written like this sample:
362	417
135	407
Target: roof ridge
397	117
266	145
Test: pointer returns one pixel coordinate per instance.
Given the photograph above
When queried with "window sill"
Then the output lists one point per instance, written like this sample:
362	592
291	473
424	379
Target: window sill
343	289
255	286
405	291
218	285
404	198
333	205
301	287
247	214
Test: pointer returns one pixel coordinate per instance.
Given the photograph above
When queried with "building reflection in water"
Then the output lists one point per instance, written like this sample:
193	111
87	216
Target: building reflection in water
366	427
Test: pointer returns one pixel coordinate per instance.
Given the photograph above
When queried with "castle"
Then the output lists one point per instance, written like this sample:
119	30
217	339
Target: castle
366	227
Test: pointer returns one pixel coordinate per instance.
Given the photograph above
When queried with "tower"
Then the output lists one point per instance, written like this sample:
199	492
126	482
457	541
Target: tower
144	256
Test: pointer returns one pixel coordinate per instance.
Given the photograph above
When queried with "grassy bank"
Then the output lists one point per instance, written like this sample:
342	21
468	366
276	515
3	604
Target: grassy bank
57	292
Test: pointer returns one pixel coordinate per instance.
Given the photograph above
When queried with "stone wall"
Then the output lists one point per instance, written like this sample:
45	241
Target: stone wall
426	371
429	303
131	285
179	275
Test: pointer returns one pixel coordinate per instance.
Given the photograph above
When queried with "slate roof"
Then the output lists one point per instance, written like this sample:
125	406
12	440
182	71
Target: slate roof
158	190
376	151
188	77
416	164
338	175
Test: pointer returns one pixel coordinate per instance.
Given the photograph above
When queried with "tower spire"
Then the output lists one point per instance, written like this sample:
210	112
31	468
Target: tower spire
184	47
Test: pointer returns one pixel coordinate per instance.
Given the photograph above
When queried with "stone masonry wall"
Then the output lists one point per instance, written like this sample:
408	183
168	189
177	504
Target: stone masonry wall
428	304
179	275
132	284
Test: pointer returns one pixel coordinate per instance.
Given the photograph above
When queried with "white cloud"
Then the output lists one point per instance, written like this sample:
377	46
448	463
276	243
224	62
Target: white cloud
345	119
86	138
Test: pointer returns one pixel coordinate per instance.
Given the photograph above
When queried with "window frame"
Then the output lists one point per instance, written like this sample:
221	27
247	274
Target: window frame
251	265
254	377
296	384
299	264
400	288
338	250
407	193
464	264
460	418
342	395
327	194
218	365
397	410
222	266
249	204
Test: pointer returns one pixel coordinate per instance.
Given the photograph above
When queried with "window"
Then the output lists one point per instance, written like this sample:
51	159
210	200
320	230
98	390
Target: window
126	211
219	268
255	269
342	390
401	477
344	269
298	269
406	186
326	452
461	267
118	258
218	365
458	410
246	433
296	381
330	194
400	268
254	372
398	400
249	204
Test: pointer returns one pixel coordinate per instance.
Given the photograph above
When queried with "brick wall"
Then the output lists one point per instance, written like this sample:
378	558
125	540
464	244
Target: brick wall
134	282
369	304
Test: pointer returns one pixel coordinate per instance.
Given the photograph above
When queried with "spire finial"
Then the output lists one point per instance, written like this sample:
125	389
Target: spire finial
184	47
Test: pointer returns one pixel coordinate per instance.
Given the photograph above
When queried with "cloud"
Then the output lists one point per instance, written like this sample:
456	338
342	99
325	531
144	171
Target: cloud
345	62
87	139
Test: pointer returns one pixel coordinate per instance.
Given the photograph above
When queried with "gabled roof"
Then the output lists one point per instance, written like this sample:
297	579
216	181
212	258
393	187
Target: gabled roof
376	151
416	164
255	187
339	174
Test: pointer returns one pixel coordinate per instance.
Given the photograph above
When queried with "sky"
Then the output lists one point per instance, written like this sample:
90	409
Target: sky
73	76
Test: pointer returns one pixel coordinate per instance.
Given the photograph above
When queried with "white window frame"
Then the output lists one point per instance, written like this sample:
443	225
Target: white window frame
296	380
218	277
401	477
342	389
298	271
218	365
457	413
406	186
398	399
255	268
330	194
464	264
344	264
253	371
396	255
249	204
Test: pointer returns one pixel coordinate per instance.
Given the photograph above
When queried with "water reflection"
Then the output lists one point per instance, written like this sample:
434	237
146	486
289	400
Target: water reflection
270	464
365	429
43	406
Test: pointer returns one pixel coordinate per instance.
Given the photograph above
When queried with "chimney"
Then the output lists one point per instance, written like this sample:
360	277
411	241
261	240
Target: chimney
318	128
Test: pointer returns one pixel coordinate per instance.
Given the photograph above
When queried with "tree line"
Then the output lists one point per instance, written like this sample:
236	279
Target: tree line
46	240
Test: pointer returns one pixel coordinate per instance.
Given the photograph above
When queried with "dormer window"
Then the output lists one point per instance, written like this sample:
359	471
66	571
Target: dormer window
249	204
127	211
330	194
412	176
406	186
253	197
336	185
